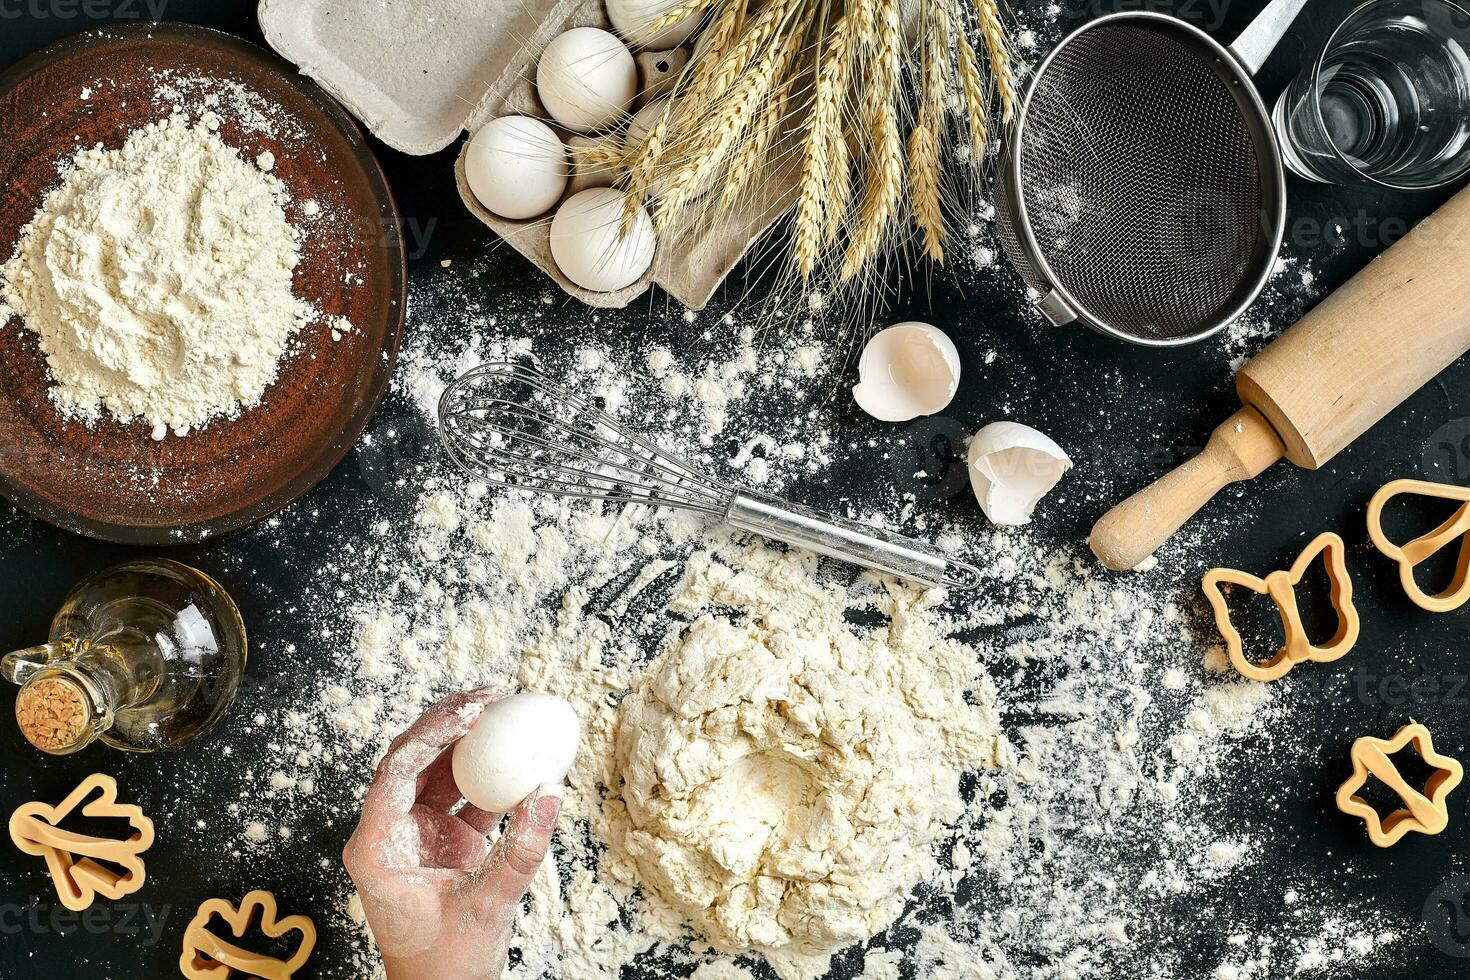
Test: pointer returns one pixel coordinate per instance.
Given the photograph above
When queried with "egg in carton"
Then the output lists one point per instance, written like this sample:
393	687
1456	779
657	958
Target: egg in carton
420	74
688	263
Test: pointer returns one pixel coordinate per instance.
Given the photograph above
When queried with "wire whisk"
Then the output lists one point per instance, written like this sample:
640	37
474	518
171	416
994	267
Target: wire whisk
512	426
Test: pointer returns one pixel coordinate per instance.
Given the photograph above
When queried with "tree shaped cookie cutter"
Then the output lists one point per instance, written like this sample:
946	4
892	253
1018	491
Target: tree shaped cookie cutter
1281	587
1424	812
1412	553
74	859
208	956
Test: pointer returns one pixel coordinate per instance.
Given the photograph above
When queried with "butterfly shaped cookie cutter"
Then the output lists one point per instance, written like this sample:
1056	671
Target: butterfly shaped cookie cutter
208	956
1281	587
1413	553
1424	812
75	860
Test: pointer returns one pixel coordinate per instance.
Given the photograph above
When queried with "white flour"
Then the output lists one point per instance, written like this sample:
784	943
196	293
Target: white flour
158	278
1108	842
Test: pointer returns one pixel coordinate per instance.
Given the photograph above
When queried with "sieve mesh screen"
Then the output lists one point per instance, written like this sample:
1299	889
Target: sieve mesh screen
1142	183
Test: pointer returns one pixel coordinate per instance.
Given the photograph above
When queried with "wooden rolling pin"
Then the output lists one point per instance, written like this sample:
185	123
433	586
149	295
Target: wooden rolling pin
1359	353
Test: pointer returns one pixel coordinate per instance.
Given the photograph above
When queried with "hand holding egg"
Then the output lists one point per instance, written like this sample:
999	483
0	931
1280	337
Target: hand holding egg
518	743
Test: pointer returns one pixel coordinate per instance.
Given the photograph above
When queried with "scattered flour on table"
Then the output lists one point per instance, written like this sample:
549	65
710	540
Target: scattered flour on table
1106	825
158	277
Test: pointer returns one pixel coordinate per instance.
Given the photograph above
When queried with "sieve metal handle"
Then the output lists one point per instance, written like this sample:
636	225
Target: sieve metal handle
1257	41
849	541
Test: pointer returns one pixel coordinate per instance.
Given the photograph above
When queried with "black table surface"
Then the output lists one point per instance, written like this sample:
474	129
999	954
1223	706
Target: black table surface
1118	438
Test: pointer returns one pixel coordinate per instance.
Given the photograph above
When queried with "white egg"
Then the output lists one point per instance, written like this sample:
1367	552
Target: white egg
1012	466
641	124
634	19
517	167
589	246
586	79
517	745
907	370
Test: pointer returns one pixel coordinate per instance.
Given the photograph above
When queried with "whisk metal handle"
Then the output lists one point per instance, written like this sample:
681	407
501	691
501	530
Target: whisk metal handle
848	541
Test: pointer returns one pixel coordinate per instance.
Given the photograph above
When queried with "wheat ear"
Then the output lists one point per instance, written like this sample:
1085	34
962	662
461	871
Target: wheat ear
715	140
715	74
992	31
676	15
823	131
748	159
884	185
974	92
924	140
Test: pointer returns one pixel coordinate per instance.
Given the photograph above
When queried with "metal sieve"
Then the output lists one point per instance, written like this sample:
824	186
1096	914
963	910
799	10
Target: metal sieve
1140	190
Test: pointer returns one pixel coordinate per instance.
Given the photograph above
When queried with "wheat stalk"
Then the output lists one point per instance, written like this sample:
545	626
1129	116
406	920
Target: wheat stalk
731	122
823	131
862	169
752	153
994	34
974	92
717	73
885	157
924	140
601	156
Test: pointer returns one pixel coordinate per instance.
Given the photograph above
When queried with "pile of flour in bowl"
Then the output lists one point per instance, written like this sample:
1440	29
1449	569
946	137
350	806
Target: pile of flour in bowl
158	278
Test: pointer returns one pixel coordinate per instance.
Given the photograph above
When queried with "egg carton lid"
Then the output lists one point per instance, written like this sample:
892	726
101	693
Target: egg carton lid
416	72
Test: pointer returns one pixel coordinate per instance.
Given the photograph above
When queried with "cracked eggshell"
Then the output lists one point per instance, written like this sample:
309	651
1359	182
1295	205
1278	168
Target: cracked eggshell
909	369
1012	466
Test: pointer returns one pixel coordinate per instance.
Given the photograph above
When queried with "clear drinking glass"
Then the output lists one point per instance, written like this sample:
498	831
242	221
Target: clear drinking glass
1387	101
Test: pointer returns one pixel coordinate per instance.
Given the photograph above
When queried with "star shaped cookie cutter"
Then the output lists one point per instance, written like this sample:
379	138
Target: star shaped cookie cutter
1424	812
1412	553
72	858
1281	587
207	956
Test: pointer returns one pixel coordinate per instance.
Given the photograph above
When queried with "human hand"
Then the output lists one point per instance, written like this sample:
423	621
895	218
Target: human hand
440	900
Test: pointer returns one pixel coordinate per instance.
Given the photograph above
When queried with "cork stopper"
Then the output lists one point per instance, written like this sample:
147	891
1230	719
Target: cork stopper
53	713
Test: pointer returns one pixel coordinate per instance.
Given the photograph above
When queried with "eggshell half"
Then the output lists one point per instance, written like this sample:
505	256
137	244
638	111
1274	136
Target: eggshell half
586	79
517	745
1012	466
909	369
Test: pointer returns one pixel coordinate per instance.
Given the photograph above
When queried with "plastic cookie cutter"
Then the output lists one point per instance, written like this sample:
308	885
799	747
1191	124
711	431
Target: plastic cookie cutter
208	956
82	866
1424	812
1423	547
1281	587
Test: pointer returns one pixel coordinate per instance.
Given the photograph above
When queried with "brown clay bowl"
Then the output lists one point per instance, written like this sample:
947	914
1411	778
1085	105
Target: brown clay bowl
110	480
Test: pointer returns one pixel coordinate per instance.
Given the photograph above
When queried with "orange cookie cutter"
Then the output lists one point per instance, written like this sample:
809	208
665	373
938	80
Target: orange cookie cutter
1424	812
73	858
1281	587
207	956
1411	554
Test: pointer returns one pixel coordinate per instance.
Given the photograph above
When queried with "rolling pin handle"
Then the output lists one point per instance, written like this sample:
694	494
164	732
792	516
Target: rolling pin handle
1240	449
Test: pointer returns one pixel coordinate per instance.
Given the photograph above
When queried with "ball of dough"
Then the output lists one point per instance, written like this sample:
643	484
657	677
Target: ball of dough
517	167
783	787
517	744
586	79
634	20
588	244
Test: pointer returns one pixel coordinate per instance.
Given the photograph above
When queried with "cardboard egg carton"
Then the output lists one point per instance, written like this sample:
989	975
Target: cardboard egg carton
420	74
